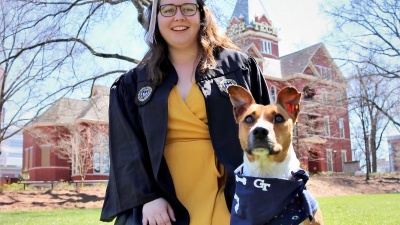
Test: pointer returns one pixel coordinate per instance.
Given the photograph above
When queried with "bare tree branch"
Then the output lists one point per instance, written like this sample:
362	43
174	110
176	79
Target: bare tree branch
73	40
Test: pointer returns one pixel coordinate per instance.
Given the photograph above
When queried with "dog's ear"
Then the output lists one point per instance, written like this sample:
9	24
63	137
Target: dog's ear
289	99
240	98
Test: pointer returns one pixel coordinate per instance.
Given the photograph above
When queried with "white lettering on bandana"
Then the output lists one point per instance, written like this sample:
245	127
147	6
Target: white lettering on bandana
259	183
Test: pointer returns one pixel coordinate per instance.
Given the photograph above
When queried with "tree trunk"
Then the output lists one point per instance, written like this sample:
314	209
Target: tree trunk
366	144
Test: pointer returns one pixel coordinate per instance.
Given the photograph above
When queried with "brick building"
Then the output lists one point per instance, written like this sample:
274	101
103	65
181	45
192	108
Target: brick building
394	152
322	134
69	139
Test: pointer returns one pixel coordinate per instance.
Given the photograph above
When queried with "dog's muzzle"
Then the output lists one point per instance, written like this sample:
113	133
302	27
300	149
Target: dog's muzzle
260	143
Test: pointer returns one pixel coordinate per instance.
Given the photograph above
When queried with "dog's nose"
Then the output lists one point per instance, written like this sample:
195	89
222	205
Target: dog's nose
260	133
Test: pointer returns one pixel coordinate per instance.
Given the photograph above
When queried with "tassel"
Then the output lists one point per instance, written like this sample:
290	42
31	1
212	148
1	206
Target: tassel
152	25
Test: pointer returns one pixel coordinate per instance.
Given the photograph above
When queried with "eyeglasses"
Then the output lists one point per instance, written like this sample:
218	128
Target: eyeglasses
187	9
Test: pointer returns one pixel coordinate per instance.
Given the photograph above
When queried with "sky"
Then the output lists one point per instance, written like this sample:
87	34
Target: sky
300	24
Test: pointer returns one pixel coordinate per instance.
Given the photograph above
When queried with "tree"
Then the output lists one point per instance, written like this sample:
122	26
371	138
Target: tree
370	125
45	50
55	49
368	33
80	144
77	147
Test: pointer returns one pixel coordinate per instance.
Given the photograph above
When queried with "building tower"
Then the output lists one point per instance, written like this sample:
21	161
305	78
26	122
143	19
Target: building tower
251	27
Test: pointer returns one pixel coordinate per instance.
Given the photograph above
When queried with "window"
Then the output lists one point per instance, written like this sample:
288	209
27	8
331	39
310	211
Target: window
76	154
341	128
308	93
325	97
28	158
312	125
329	74
15	143
392	156
325	72
326	126
101	160
266	47
45	157
96	161
273	94
344	157
15	154
339	99
329	161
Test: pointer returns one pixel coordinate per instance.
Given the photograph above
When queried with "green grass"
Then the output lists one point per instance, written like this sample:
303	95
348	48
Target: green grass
355	210
52	217
382	209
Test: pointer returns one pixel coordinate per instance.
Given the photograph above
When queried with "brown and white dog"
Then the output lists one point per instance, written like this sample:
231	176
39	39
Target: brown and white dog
265	134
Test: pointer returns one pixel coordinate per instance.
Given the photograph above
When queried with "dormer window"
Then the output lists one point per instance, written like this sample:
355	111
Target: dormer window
325	72
266	47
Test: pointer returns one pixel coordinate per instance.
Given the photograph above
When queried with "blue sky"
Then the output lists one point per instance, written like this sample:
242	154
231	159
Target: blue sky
300	25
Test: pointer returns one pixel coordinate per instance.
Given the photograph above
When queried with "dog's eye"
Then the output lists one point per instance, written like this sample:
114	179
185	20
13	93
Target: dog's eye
249	119
279	119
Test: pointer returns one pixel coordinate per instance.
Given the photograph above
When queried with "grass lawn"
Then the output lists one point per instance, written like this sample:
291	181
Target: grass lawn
52	217
361	209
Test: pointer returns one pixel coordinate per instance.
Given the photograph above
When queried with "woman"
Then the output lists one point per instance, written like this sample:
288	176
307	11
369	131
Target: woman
173	138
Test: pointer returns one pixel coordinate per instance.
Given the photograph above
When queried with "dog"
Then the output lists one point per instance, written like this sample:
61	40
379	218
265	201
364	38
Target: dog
265	134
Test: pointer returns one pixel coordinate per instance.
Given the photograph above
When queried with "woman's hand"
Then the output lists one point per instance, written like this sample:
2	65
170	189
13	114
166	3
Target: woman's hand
158	212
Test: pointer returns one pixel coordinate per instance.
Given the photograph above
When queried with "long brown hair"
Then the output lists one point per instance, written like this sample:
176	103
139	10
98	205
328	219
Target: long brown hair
210	39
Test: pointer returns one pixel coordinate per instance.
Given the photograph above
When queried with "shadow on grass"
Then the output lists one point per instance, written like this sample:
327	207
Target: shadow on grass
73	197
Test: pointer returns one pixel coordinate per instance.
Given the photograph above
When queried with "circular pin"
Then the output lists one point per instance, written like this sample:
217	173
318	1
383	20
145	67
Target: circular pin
226	83
144	93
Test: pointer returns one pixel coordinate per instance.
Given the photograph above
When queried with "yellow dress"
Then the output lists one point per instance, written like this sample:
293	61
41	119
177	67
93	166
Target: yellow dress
197	176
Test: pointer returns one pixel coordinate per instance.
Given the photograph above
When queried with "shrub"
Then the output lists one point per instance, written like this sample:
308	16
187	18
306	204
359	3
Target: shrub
13	187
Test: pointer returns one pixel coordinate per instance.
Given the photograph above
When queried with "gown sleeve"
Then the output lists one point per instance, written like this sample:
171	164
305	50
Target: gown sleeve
131	183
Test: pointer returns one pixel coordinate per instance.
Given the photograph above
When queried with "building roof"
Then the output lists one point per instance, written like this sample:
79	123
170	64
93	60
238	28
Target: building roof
100	91
393	137
67	110
297	62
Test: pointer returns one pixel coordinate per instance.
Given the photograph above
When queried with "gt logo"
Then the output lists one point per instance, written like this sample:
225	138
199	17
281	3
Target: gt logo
259	183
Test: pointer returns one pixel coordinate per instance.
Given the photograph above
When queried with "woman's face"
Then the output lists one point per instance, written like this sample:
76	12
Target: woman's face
179	31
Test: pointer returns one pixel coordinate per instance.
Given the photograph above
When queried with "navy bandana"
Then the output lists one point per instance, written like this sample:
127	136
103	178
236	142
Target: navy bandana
260	201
